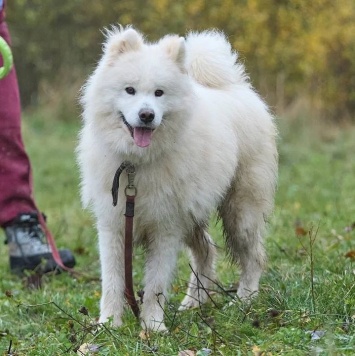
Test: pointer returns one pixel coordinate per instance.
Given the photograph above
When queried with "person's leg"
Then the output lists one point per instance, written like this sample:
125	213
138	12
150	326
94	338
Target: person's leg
15	175
15	170
18	211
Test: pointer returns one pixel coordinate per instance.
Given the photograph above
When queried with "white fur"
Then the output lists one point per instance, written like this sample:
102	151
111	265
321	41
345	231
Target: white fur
213	148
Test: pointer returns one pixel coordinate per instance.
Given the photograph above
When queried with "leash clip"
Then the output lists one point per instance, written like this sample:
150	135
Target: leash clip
130	189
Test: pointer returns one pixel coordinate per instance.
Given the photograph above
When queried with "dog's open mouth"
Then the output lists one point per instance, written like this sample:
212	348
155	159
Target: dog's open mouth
142	136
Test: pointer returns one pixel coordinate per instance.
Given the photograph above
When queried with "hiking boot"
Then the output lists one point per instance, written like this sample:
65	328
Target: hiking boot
28	247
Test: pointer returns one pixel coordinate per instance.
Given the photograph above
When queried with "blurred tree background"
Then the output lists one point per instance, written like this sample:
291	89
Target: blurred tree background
300	54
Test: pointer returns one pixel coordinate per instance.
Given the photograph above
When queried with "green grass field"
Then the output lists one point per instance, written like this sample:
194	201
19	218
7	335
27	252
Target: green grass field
308	288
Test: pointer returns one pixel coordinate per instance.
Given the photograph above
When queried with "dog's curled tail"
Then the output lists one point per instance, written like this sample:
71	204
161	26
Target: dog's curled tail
211	61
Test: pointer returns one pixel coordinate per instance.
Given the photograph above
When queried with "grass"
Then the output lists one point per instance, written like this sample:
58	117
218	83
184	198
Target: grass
309	285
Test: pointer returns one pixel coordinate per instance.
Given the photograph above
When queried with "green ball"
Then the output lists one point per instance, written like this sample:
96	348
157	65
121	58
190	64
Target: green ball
6	54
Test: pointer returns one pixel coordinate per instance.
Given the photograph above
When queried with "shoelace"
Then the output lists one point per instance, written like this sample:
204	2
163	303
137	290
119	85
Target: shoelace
34	233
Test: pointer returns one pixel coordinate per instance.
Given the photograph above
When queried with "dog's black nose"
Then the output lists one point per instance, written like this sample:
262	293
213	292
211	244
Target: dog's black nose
146	115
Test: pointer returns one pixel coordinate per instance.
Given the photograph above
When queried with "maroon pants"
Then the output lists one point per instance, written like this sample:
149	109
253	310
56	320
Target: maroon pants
15	170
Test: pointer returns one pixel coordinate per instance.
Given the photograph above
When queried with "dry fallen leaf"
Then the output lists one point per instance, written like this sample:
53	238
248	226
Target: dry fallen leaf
186	353
144	335
256	351
350	227
88	349
300	231
316	334
350	254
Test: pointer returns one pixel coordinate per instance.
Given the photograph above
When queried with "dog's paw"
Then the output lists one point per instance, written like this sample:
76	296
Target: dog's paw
154	326
246	294
113	321
189	302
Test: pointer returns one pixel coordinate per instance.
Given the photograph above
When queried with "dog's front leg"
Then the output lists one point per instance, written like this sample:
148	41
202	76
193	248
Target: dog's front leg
161	260
112	274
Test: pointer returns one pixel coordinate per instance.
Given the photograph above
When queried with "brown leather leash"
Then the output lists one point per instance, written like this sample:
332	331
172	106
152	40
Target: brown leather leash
130	193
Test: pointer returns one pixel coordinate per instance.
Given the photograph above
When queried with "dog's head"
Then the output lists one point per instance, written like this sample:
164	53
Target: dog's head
139	87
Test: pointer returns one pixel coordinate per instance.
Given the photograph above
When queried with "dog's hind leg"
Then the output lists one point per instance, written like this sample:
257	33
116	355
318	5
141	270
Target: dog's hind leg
247	204
202	256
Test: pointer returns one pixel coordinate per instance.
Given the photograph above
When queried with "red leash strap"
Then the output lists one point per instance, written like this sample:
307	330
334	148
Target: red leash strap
55	253
51	242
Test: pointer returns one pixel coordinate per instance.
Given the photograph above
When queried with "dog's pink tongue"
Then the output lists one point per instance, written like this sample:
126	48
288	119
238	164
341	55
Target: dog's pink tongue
142	136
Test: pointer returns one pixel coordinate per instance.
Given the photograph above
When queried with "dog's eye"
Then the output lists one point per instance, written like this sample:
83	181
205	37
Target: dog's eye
130	90
158	93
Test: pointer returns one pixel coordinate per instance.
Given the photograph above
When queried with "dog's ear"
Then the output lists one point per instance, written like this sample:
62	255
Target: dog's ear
120	41
174	46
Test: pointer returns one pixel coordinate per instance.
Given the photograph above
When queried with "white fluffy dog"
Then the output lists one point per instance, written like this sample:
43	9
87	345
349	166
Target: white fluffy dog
183	112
